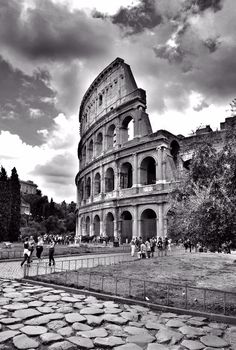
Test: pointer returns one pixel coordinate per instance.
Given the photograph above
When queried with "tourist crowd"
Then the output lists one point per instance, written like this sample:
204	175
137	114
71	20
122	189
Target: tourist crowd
146	249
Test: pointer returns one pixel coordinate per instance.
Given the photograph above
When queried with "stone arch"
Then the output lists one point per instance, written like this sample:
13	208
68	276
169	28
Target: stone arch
111	136
87	226
96	225
127	129
90	150
81	190
84	154
148	224
126	175
174	150
97	184
109	228
126	229
109	180
88	187
82	226
148	171
99	142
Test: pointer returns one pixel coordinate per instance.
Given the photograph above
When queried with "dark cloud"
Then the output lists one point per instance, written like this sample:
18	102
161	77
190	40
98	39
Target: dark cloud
203	5
212	44
51	31
22	107
135	19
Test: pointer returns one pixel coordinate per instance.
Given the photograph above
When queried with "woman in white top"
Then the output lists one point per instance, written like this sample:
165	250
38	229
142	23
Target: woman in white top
39	247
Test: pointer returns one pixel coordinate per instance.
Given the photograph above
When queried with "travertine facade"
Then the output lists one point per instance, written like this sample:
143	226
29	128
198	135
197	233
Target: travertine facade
126	170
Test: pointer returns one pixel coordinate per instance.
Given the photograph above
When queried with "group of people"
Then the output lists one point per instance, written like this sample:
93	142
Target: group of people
30	245
146	249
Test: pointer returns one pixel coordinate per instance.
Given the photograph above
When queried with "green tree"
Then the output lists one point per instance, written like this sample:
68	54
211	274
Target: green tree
5	205
14	226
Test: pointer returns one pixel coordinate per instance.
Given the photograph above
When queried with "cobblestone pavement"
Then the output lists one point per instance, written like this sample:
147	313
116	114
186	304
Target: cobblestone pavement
12	269
36	317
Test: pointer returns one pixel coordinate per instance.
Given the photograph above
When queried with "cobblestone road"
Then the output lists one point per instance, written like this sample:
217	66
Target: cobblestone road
36	317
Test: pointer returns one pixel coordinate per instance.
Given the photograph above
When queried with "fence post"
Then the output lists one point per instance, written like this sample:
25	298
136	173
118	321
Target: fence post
37	270
102	282
144	289
224	303
116	279
168	294
69	265
129	287
204	299
186	297
66	276
89	280
77	279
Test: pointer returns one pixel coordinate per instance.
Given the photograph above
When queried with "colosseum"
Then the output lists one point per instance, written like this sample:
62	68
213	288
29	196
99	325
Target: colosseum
127	170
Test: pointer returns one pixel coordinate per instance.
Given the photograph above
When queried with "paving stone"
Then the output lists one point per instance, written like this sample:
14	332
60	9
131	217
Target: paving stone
168	315
13	295
195	323
91	311
51	298
113	310
4	301
153	325
74	317
115	330
140	339
191	331
130	346
192	344
26	313
199	318
33	330
4	336
155	346
48	338
136	324
79	296
97	305
35	303
56	324
15	306
213	341
217	325
131	316
65	331
175	323
77	326
69	299
56	316
94	320
63	345
65	309
114	319
94	333
9	320
22	341
111	304
108	342
82	343
135	330
37	321
15	326
79	305
166	335
45	309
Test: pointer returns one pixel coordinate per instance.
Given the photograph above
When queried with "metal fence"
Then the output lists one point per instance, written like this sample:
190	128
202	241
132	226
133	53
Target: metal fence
74	274
10	253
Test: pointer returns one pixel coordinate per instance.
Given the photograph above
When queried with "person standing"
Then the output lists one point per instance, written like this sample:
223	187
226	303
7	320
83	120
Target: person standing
148	248
51	251
26	252
31	246
159	246
132	244
165	245
143	250
39	247
152	244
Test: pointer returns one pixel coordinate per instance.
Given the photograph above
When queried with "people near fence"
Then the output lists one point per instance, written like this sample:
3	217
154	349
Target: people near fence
153	245
31	246
143	250
39	247
137	247
26	252
159	246
165	245
51	251
170	244
148	248
132	245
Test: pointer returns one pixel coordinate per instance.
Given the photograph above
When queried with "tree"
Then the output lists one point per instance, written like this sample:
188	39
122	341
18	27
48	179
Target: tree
203	206
14	226
5	205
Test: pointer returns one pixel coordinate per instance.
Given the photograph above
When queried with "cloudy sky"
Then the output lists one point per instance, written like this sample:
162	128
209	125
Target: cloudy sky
182	52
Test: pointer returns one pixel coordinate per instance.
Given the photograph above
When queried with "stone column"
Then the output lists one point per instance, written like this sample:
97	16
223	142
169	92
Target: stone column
135	221
161	220
135	170
92	185
102	180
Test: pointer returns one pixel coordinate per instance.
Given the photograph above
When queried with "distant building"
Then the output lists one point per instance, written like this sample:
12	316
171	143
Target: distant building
28	187
24	207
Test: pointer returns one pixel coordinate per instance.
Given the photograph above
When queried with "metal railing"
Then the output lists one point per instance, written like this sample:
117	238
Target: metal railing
167	294
10	253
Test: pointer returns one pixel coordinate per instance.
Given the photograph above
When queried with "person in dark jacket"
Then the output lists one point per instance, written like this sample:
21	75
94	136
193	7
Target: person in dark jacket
26	252
51	251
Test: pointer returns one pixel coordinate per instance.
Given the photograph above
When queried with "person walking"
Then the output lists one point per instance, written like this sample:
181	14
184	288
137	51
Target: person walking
39	247
153	245
132	244
31	246
143	250
159	246
148	248
26	252
51	251
165	245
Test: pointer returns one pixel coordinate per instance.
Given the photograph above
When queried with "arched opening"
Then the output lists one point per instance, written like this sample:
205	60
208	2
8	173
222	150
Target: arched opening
148	224
174	150
110	226
148	171
99	144
96	224
82	226
127	129
111	136
187	164
97	184
81	190
126	227
109	180
87	226
90	150
126	175
88	187
84	155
